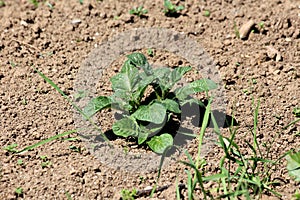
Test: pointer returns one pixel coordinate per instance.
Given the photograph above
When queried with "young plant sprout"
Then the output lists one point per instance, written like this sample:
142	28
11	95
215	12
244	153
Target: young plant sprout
139	11
129	87
171	9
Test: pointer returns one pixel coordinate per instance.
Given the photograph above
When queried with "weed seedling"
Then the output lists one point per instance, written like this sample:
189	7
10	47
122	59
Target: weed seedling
45	161
140	11
150	52
128	195
24	101
293	165
236	30
143	119
254	81
171	9
241	175
20	162
11	148
34	2
206	13
296	111
19	191
76	149
261	25
296	196
69	197
13	64
2	3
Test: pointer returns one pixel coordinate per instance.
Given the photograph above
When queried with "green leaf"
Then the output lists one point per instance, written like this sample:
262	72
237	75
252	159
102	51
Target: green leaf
192	101
129	68
296	111
200	85
11	148
42	142
169	6
139	60
126	127
162	73
97	104
179	8
121	82
163	77
120	101
203	85
154	113
167	78
293	165
141	86
159	143
171	105
143	135
175	76
178	72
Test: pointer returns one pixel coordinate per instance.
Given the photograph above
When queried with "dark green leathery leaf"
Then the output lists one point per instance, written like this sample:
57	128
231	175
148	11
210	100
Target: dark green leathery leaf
159	143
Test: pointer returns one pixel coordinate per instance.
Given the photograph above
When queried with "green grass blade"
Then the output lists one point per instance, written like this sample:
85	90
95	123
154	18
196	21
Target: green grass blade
292	123
177	190
189	185
214	177
73	104
202	131
46	141
255	122
215	124
159	169
61	92
68	196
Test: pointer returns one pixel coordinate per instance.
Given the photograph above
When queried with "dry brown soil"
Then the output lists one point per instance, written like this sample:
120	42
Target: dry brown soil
265	66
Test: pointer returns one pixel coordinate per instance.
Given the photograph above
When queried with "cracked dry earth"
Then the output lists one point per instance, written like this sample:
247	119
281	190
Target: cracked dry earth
264	65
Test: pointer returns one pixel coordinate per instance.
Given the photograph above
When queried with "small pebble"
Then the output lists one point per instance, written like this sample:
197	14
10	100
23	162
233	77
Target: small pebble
288	39
227	42
23	23
76	21
148	188
273	53
276	72
278	57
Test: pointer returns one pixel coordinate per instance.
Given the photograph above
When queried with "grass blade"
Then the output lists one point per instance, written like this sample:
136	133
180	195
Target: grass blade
46	141
189	185
61	92
73	104
177	190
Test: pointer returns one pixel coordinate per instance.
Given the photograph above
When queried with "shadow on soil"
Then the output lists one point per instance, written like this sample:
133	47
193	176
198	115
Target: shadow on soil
181	134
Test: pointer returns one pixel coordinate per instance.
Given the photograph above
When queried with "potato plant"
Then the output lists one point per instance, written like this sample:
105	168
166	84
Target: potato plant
129	97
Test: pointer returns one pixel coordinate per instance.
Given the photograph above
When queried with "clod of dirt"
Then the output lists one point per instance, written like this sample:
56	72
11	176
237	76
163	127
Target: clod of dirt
127	18
245	29
273	53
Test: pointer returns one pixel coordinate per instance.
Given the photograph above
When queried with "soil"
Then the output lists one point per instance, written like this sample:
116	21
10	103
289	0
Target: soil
264	65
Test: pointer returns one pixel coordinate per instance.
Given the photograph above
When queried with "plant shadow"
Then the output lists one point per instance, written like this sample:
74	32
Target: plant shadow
193	115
